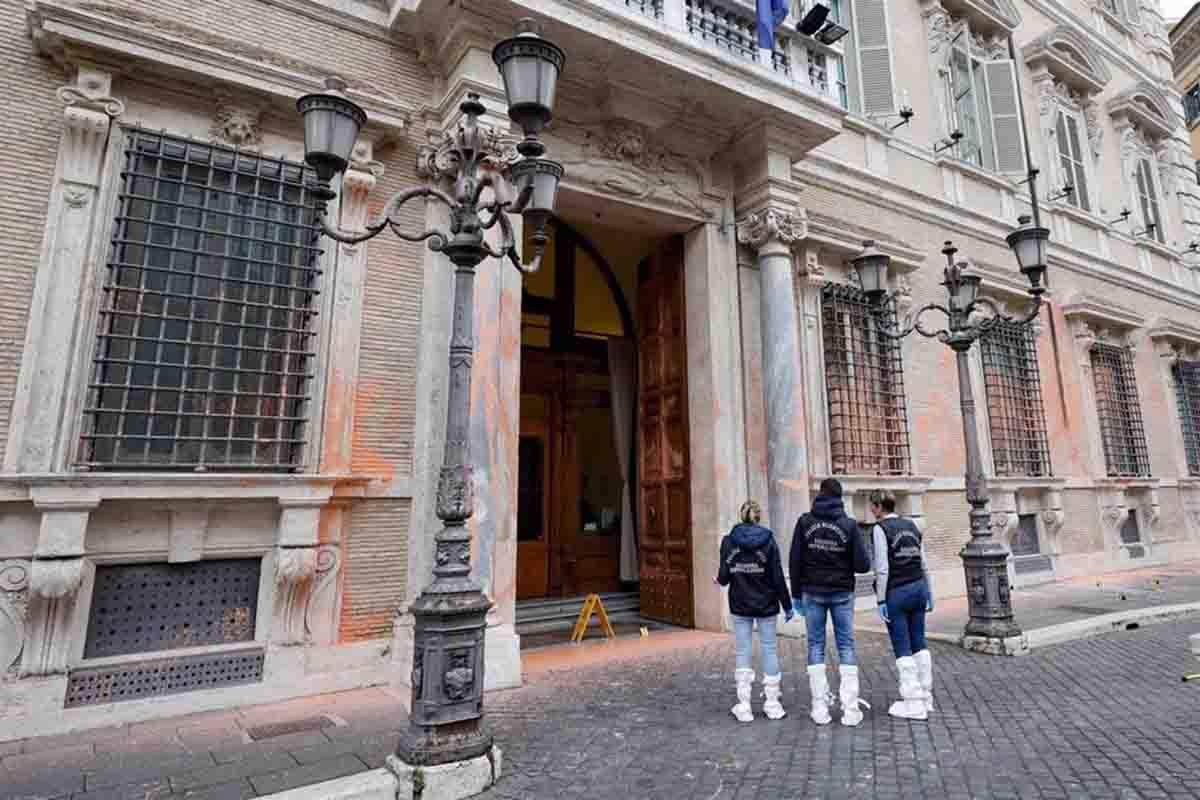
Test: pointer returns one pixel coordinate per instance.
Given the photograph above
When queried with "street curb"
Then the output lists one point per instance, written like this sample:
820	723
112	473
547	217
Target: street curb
1080	629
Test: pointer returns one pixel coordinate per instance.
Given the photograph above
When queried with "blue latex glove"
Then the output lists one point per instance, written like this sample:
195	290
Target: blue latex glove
883	613
929	604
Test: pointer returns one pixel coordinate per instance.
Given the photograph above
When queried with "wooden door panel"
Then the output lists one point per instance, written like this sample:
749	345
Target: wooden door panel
664	500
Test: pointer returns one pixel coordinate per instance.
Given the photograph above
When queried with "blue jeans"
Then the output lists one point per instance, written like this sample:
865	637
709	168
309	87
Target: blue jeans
906	610
840	606
743	640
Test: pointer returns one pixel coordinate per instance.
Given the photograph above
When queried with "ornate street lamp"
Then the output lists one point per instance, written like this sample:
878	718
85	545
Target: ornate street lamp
450	615
985	558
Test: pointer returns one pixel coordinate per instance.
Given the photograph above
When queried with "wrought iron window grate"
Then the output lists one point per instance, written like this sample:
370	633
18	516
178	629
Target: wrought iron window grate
204	353
142	608
1187	393
864	377
1016	417
1120	413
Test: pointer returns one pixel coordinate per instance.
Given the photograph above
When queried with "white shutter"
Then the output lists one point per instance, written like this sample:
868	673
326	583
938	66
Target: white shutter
1006	116
874	57
1076	143
853	85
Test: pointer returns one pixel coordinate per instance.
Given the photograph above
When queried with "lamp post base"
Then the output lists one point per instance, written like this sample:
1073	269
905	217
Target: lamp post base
1011	646
453	781
989	598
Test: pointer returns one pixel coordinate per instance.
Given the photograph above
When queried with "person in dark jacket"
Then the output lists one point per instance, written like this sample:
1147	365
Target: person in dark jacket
904	593
827	549
752	568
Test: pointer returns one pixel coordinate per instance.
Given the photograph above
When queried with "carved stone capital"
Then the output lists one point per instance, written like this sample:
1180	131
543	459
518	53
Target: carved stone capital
294	565
55	578
785	226
90	92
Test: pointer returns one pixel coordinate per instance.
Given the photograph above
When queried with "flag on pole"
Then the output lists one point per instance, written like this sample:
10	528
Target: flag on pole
771	14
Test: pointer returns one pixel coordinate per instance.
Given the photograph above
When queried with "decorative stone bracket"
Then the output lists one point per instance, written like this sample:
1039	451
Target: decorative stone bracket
55	576
14	605
1010	500
1117	498
298	560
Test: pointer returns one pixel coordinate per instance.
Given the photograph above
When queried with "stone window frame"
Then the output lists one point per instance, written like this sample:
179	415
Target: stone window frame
1091	321
1174	342
987	26
822	257
1142	118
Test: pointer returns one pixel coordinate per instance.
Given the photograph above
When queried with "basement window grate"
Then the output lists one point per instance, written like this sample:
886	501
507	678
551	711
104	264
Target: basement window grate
158	677
143	608
1187	394
1013	387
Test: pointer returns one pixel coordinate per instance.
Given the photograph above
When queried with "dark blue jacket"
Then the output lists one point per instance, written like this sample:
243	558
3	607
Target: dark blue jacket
827	549
752	568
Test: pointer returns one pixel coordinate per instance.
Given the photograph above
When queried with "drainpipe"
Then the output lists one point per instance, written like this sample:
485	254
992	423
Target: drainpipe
1037	220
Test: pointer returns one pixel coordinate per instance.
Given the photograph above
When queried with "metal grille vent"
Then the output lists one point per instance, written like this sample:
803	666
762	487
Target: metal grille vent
1025	539
1028	565
205	343
1119	411
142	608
864	378
1013	387
1131	531
157	677
1187	393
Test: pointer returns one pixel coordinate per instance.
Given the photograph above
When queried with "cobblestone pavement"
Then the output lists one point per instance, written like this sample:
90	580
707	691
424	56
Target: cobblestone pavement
1098	718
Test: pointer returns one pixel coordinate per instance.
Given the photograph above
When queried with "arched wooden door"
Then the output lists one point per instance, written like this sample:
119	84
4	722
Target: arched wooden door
664	503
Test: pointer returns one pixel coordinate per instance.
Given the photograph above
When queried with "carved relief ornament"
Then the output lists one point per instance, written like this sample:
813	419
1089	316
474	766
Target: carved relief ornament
14	606
235	123
786	226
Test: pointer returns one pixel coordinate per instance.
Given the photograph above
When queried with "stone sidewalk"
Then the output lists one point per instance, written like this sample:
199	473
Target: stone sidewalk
1071	609
1105	717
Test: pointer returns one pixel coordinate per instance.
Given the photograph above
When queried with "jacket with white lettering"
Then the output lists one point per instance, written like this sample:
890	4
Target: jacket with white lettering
827	549
752	568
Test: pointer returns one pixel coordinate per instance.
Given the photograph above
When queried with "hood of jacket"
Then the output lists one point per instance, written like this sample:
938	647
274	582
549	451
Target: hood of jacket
830	508
750	537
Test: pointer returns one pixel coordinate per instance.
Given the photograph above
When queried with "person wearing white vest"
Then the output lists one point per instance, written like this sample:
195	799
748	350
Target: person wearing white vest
904	594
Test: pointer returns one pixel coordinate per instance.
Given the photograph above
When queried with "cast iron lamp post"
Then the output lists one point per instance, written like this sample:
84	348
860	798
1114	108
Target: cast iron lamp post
445	724
985	558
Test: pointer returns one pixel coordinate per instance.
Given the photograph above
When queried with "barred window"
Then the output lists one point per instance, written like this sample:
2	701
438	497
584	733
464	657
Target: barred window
1120	413
1187	393
205	341
864	376
1013	386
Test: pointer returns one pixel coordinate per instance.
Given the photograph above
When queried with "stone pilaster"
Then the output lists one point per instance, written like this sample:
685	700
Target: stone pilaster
772	232
345	332
38	441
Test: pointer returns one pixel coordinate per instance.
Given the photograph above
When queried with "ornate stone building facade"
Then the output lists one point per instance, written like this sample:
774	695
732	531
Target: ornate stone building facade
221	436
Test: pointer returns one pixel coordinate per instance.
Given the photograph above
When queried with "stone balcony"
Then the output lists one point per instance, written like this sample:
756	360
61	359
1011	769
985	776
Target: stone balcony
693	62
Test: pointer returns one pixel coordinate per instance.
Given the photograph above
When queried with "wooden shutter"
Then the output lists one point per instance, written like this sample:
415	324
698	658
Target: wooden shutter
874	57
1006	116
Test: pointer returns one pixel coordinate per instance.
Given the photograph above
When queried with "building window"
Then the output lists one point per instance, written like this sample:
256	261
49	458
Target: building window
1070	158
205	346
1120	413
864	375
1148	197
1013	387
827	75
1191	104
1187	394
982	103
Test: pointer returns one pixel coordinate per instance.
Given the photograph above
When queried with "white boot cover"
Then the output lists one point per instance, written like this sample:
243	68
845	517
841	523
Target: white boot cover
852	704
744	679
818	685
771	691
911	704
925	676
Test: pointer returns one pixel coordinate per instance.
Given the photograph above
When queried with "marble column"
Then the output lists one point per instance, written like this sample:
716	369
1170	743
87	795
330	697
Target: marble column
772	232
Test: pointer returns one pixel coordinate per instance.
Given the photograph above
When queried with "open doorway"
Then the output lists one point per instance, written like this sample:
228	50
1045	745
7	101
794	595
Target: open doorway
603	491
